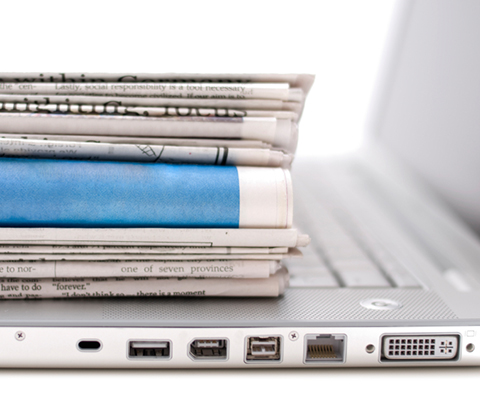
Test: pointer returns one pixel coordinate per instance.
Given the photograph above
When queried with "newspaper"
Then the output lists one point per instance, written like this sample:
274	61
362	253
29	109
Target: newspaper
114	108
143	119
242	104
195	142
152	257
25	249
282	133
12	288
238	269
302	82
29	148
200	90
127	195
154	237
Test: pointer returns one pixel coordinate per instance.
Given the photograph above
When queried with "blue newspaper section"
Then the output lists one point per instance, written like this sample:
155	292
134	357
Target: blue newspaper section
59	193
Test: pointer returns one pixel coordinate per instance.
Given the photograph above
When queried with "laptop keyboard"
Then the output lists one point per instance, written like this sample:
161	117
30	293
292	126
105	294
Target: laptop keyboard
341	255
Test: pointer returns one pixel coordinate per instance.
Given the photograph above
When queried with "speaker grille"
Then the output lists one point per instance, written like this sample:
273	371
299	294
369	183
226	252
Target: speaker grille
307	305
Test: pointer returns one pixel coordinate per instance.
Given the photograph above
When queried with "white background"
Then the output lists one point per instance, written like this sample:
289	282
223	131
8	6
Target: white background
340	41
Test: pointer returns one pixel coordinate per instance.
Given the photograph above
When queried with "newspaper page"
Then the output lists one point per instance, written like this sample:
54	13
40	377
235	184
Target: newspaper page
281	133
171	237
300	82
121	256
238	269
14	288
114	108
127	195
187	142
25	249
293	252
303	81
202	90
63	150
242	104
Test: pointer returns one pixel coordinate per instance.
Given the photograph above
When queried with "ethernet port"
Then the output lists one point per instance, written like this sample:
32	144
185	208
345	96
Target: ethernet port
325	348
208	349
263	348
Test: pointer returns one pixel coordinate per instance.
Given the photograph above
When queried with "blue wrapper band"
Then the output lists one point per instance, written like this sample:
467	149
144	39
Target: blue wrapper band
59	193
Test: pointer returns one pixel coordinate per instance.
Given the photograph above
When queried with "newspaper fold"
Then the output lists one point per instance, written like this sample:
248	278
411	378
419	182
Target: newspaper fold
293	252
59	193
200	90
272	286
63	150
114	108
238	269
242	104
281	133
301	82
194	142
154	237
91	250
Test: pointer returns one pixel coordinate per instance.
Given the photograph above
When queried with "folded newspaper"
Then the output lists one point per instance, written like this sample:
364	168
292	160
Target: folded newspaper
147	184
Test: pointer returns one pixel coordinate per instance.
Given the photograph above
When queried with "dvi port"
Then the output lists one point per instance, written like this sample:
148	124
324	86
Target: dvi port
420	347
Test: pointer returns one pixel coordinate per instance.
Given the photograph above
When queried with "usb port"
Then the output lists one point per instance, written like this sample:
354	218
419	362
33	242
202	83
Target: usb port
263	348
149	349
208	349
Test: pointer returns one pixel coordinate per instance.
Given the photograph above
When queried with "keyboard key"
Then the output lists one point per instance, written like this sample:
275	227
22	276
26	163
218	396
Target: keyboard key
360	278
360	274
399	275
320	281
345	253
310	272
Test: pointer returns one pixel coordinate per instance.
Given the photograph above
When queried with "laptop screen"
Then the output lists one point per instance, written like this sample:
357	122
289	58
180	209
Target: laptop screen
428	99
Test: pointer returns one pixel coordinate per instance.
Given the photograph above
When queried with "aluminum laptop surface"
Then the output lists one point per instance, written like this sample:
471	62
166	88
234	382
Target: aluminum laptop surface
423	291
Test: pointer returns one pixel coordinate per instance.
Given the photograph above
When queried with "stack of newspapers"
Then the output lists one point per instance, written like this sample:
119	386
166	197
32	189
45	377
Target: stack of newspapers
147	184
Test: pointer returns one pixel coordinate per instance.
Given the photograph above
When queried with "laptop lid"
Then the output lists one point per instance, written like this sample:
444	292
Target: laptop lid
426	105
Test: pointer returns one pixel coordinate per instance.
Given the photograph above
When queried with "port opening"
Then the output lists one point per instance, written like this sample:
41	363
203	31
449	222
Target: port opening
263	349
325	348
149	349
208	349
89	345
420	348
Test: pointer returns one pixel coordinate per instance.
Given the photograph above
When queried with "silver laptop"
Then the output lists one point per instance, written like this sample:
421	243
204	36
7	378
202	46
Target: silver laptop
392	277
